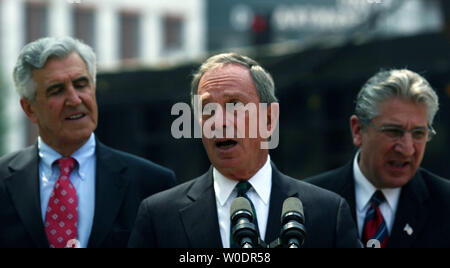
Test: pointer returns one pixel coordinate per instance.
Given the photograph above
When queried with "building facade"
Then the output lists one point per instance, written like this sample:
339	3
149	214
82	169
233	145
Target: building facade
124	34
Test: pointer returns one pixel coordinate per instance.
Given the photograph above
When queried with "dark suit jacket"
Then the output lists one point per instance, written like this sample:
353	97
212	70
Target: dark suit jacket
122	182
186	215
424	204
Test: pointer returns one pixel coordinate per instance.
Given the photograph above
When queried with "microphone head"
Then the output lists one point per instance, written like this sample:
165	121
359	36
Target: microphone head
292	205
239	204
293	231
241	216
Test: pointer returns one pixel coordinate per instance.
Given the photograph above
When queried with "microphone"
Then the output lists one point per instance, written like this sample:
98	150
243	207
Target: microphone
243	229
293	231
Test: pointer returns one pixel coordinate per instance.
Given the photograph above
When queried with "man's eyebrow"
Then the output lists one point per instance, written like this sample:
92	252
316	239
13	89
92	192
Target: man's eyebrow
81	79
53	86
57	85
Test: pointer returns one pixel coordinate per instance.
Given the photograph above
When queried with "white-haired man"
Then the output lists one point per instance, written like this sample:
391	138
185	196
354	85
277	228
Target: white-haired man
68	189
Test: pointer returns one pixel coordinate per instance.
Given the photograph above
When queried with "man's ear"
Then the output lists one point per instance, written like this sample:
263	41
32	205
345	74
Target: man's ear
273	114
28	109
356	128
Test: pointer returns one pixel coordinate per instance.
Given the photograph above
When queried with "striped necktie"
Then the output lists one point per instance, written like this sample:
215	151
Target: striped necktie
375	231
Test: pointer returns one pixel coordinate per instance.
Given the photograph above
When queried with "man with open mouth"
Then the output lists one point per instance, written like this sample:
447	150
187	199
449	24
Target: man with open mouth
196	214
394	201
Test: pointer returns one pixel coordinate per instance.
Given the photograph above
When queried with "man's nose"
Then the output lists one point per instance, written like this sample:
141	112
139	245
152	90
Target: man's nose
73	97
223	123
406	145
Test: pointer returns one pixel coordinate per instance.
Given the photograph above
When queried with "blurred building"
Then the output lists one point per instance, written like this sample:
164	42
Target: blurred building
124	34
320	52
318	70
236	23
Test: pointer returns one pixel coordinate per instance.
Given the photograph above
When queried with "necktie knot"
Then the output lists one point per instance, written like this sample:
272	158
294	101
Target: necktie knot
66	165
377	198
242	188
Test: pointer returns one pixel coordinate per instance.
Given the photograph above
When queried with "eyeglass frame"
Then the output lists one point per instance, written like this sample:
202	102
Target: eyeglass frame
429	131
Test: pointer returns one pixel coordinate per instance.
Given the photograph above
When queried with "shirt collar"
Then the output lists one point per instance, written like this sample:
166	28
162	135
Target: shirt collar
48	155
261	182
84	154
364	189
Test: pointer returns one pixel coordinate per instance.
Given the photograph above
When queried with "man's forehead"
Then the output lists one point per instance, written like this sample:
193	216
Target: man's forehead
226	68
224	93
226	73
71	66
398	111
227	82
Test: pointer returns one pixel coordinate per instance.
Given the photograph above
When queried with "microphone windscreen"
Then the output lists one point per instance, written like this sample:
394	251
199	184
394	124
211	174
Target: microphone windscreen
292	204
240	203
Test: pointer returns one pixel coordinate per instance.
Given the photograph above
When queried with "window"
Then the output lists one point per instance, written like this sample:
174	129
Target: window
84	25
173	33
36	14
129	41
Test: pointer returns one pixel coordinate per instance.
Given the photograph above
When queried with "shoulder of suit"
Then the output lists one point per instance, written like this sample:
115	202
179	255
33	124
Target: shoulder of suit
5	160
129	159
311	191
438	186
329	178
9	156
171	197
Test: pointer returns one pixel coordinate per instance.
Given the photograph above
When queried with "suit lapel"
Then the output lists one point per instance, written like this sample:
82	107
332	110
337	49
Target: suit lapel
202	232
280	191
109	193
345	187
23	186
411	213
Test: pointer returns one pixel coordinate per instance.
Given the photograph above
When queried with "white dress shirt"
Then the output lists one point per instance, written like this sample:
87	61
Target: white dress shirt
364	191
259	194
82	178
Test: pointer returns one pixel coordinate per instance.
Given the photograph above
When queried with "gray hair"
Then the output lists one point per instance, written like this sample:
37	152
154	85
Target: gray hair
263	80
35	54
401	83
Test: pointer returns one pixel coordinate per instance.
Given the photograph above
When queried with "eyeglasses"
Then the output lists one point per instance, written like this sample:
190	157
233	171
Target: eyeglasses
419	134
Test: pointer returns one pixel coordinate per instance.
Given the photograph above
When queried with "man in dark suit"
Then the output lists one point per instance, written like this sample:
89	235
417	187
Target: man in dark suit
196	214
391	126
68	190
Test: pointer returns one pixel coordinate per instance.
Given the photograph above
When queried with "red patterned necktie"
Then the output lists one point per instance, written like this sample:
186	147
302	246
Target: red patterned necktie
375	229
61	219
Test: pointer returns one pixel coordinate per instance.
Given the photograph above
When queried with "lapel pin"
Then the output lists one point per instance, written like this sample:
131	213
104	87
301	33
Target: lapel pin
408	229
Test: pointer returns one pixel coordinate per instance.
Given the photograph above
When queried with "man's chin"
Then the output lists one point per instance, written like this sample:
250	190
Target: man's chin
226	163
396	181
77	137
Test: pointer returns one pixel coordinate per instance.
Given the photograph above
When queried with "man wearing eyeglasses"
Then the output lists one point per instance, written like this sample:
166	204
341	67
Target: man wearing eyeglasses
394	201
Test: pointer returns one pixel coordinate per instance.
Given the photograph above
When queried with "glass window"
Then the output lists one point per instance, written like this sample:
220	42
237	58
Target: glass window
173	33
129	41
36	14
84	25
